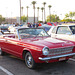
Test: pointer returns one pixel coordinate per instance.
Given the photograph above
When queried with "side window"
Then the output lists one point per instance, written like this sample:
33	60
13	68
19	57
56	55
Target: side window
63	30
54	30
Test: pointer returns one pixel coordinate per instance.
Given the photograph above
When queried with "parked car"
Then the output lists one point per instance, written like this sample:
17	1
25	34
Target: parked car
34	45
46	27
63	31
51	24
4	29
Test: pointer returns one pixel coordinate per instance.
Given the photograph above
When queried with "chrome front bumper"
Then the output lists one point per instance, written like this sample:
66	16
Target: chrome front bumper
55	57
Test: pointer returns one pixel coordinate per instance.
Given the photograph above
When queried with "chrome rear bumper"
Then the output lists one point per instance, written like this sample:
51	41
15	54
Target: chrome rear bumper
55	57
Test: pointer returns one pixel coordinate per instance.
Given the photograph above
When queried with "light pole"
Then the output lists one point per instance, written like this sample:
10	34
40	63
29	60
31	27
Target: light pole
20	11
49	11
11	17
6	14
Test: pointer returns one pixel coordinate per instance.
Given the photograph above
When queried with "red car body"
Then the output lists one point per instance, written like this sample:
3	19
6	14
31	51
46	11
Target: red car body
51	24
17	47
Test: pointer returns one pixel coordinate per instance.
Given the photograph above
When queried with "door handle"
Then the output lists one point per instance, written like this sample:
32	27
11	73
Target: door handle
6	40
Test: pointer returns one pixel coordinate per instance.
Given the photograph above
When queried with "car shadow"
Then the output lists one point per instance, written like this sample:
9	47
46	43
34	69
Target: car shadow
56	68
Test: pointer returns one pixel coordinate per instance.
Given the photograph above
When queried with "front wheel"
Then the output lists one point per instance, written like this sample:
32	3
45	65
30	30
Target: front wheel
30	63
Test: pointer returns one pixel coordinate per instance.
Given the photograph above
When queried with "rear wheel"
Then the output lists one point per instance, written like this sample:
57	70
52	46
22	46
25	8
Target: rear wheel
1	52
30	63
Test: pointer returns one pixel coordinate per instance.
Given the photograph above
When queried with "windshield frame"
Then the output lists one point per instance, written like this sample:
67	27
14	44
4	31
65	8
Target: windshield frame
31	28
71	29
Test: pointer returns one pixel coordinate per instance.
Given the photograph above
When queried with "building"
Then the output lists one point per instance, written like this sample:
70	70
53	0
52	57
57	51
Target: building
31	19
17	20
10	20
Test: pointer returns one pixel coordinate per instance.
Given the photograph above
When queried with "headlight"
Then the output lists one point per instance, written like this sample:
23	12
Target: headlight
45	51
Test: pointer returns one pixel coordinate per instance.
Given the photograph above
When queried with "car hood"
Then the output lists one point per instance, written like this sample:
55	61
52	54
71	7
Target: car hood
48	41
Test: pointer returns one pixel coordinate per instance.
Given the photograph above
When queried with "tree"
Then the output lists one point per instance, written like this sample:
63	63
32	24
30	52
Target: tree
34	2
71	15
38	13
74	14
66	20
1	19
49	11
27	13
24	18
44	3
42	13
66	15
54	18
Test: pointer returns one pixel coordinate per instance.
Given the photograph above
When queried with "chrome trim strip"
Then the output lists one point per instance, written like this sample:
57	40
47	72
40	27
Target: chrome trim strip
55	57
60	50
61	47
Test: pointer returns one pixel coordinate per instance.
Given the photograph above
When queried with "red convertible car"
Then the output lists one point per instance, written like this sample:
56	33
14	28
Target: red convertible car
34	45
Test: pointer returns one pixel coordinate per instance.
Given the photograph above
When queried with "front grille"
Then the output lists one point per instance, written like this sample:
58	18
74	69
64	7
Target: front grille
59	51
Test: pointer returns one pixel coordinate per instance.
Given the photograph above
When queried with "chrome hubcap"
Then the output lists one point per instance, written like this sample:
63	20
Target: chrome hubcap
0	51
29	61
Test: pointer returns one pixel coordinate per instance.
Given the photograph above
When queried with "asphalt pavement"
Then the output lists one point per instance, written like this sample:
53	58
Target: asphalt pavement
10	65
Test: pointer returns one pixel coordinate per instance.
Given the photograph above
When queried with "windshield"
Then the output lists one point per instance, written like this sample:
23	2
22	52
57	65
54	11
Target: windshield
30	32
72	29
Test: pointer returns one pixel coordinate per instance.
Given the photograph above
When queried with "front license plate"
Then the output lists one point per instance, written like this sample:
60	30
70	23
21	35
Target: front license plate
63	58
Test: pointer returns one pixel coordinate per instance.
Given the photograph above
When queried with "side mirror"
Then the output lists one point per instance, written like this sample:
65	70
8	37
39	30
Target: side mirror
49	35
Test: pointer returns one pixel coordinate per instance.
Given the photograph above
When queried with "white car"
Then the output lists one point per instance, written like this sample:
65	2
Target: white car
63	31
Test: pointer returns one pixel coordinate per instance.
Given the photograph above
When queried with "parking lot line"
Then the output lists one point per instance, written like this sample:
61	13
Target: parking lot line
6	71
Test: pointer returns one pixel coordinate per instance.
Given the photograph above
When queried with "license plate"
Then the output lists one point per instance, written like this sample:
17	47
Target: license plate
62	58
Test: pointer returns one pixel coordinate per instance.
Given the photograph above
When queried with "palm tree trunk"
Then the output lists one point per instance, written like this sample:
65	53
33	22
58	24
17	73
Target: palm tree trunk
37	15
27	15
50	14
42	16
34	15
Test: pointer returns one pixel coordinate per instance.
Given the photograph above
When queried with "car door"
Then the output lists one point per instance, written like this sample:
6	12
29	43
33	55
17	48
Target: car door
13	46
63	32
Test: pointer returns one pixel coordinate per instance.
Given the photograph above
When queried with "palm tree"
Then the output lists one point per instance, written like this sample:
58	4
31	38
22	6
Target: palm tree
22	11
44	3
49	11
66	15
74	14
34	2
71	14
38	13
27	13
42	13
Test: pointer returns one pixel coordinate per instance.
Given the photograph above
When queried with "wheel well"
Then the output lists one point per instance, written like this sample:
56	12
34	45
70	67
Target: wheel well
24	52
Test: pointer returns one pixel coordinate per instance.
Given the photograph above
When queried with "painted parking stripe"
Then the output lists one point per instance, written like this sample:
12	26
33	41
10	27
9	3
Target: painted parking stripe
6	71
71	59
